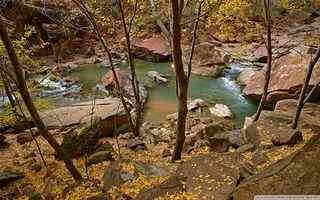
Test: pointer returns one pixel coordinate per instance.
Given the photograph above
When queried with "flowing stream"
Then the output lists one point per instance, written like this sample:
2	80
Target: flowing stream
162	98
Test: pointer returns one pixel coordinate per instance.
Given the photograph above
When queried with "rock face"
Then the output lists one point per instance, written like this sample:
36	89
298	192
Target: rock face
221	110
124	79
297	174
203	173
287	78
207	60
110	111
154	49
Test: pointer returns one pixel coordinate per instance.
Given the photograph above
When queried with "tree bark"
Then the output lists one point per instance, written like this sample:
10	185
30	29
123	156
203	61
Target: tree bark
21	84
181	78
269	61
304	89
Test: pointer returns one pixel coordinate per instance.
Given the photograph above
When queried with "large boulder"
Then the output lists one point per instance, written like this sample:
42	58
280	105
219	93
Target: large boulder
210	176
297	174
208	60
124	78
109	110
287	78
153	49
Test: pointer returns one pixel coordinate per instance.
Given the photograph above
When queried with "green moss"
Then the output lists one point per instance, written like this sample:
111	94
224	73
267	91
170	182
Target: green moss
8	118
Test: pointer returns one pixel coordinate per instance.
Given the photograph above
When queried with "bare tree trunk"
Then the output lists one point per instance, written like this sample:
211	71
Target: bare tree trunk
304	89
88	15
181	77
134	79
269	62
160	23
21	84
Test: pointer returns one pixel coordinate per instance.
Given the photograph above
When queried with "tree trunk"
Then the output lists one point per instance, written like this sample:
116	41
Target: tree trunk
304	89
134	79
181	78
160	23
84	9
21	84
269	62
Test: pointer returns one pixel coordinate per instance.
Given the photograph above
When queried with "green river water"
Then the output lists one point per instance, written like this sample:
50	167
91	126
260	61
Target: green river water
162	99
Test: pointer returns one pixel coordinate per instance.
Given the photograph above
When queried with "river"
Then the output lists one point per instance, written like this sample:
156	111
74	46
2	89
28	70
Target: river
162	98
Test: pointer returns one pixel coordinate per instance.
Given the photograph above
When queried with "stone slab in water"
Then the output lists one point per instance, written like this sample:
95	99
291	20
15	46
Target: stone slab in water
81	112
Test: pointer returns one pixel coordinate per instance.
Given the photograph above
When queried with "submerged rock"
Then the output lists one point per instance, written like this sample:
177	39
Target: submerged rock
157	77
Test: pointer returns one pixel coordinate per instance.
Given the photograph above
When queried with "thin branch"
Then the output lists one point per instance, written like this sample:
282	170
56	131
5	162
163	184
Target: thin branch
194	40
